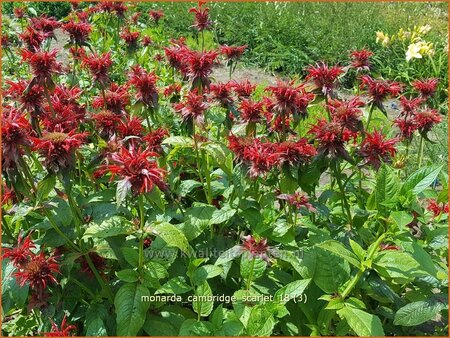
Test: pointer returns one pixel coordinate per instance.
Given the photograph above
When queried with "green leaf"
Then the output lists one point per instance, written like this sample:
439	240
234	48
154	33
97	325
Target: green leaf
401	218
123	187
131	309
158	326
45	187
110	227
362	323
187	186
421	179
172	236
197	219
205	272
179	141
176	285
291	290
192	327
229	255
222	155
417	313
340	250
357	249
397	265
96	328
328	270
261	322
222	215
387	188
253	267
127	275
203	303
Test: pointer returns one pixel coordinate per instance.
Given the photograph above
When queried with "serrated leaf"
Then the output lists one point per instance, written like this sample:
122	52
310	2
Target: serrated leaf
362	323
176	285
45	187
340	250
197	219
261	322
172	236
205	272
401	218
417	313
179	141
397	265
222	215
291	290
110	227
203	306
187	186
421	179
123	187
229	255
127	275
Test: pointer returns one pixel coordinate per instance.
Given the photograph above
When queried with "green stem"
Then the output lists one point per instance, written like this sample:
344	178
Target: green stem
58	230
141	228
83	287
420	156
100	280
249	281
372	107
345	205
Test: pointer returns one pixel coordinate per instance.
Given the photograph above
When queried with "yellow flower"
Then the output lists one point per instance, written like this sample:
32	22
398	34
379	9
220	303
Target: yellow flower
383	39
419	49
424	29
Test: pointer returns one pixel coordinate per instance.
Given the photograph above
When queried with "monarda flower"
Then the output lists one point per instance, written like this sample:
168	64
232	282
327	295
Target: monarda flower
379	90
119	8
221	92
58	148
135	17
251	112
436	209
6	41
426	87
19	12
427	119
138	173
407	127
172	89
146	40
78	53
255	248
296	152
192	108
199	67
156	15
145	84
116	99
38	272
361	59
243	89
409	106
106	122
201	20
15	134
331	137
324	77
261	157
298	200
232	53
31	100
67	117
347	113
289	98
98	261
99	66
46	25
32	38
43	65
64	331
8	195
376	149
155	138
131	38
130	126
78	31
21	254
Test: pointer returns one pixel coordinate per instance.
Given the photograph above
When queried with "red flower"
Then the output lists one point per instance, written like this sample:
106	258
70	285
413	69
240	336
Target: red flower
19	12
426	119
289	98
173	89
32	38
120	8
332	137
255	248
135	17
38	271
43	65
426	87
99	66
296	152
384	247
251	112
407	127
347	113
6	40
437	209
78	31
409	106
379	90
261	156
31	100
221	92
130	38
58	148
145	83
21	254
8	195
116	99
156	15
15	133
201	21
232	53
45	25
193	107
360	59
155	138
98	262
64	331
199	67
138	173
78	53
298	200
106	121
376	149
324	77
146	40
243	89
130	126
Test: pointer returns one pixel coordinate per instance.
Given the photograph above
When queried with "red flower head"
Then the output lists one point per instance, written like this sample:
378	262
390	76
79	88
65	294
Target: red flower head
426	87
98	261
192	108
361	59
6	40
146	40
173	89
116	97
332	137
45	25
120	9
130	38
31	100
289	98
99	66
19	12
379	90
32	38
437	209
426	119
243	89
201	21
138	173
130	126
8	195
135	17
15	133
232	53
83	16
78	31
58	148
43	65
261	156
296	152
176	55
410	106
64	331
155	138
199	67
407	127
221	92
38	271
156	15
255	248
21	254
78	53
324	77
347	113
145	83
376	149
251	111
298	200
106	122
